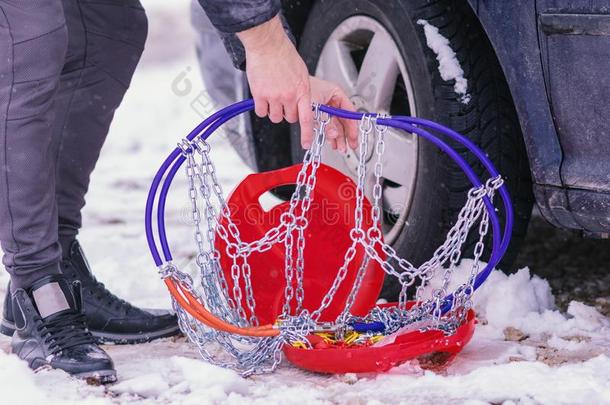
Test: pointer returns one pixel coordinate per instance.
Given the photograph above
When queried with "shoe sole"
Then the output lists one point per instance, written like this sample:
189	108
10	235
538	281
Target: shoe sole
99	377
8	328
135	338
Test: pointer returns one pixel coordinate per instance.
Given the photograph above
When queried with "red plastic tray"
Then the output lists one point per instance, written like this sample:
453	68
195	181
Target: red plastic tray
427	346
331	218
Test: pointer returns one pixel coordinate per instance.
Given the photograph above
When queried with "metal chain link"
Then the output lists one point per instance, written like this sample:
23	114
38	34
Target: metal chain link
237	305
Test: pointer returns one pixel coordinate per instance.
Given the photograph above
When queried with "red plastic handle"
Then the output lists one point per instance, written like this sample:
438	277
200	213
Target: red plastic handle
256	184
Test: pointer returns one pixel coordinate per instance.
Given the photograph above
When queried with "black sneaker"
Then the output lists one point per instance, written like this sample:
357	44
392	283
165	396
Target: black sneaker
51	331
110	319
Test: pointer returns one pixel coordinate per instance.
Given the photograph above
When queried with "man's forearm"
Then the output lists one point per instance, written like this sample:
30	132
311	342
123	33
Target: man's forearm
263	38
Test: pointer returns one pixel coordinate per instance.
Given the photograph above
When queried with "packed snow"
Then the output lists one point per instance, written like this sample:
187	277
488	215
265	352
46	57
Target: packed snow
448	65
524	350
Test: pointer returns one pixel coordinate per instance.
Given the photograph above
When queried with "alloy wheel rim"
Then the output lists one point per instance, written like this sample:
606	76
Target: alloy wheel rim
362	57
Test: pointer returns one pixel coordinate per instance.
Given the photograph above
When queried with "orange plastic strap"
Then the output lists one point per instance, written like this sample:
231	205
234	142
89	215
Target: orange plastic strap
191	305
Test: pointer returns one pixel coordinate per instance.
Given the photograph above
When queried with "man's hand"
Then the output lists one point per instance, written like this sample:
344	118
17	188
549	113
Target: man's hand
340	132
282	88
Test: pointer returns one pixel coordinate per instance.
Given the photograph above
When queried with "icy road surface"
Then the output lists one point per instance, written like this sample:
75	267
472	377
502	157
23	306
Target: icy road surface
524	351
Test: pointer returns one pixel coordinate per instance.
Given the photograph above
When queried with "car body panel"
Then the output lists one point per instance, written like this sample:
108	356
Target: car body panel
556	58
576	51
512	29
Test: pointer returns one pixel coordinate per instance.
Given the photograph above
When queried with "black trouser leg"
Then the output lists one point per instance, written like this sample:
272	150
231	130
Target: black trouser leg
68	66
33	41
106	42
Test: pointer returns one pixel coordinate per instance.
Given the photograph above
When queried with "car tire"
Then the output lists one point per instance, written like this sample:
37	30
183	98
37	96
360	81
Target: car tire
488	119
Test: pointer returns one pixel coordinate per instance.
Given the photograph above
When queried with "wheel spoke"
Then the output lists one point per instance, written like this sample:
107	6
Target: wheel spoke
337	160
378	74
400	164
337	65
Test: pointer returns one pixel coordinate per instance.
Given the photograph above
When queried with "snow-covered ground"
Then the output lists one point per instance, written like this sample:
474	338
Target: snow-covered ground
524	350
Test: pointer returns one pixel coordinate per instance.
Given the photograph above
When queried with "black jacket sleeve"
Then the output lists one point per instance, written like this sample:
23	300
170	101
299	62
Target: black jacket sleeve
231	16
